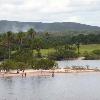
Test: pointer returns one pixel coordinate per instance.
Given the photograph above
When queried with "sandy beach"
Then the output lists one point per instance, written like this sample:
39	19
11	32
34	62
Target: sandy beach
42	73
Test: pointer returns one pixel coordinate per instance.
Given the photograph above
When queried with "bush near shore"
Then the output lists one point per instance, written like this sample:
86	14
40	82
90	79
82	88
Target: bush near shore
34	64
95	54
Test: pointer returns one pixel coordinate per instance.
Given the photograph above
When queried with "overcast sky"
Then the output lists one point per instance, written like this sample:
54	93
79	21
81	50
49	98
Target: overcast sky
82	11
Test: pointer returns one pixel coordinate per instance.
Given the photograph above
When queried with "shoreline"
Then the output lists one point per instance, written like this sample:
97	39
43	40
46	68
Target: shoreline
43	73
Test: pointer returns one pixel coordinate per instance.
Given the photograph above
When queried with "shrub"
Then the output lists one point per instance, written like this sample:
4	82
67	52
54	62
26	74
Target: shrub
97	52
9	64
64	54
43	64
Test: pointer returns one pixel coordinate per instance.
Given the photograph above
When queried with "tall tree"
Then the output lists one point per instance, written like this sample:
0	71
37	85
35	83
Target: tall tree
9	38
31	33
47	35
20	37
78	47
37	45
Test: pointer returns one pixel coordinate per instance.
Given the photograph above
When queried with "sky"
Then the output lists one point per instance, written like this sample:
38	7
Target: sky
81	11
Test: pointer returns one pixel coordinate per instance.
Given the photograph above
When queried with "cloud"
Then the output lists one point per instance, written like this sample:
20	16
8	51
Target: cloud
83	11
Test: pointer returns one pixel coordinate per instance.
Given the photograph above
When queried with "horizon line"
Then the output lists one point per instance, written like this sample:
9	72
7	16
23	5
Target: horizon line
50	22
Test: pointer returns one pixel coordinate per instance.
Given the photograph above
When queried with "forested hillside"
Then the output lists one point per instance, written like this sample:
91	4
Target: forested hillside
16	26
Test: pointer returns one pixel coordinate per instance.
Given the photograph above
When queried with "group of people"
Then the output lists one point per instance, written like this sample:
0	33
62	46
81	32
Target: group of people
23	73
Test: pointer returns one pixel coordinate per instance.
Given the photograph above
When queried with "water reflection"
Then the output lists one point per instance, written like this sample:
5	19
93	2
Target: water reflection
79	86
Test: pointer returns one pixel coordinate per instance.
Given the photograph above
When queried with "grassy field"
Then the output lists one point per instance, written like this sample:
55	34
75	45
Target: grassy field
89	47
83	48
45	52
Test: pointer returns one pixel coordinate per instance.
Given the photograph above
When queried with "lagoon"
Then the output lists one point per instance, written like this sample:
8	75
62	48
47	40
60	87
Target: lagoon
70	86
83	63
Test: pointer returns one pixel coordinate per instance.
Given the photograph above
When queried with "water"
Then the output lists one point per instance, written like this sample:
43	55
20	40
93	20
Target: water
84	63
79	86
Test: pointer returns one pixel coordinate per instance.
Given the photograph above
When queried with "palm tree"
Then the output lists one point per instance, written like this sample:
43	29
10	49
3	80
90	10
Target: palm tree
47	35
20	37
78	47
31	33
3	45
37	45
9	37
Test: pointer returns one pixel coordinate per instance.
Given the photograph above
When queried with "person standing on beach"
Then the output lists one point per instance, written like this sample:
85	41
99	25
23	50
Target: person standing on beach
53	74
25	74
17	71
22	73
3	75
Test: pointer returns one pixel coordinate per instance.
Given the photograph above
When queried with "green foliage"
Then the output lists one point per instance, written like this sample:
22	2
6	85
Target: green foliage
25	49
43	64
37	44
31	33
21	65
9	64
86	39
23	55
92	57
97	52
63	53
3	53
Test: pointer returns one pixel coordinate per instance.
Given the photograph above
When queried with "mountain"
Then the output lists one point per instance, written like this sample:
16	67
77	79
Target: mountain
16	26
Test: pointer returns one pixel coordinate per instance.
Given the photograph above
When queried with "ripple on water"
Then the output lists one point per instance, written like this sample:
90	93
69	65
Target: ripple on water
79	86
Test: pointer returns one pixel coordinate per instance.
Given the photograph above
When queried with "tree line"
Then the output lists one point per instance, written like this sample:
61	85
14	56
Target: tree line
23	49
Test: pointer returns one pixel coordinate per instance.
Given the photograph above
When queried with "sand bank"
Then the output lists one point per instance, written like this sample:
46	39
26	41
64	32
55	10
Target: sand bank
31	72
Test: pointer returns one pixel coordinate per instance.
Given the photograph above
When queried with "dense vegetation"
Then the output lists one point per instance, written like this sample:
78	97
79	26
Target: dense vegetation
23	49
